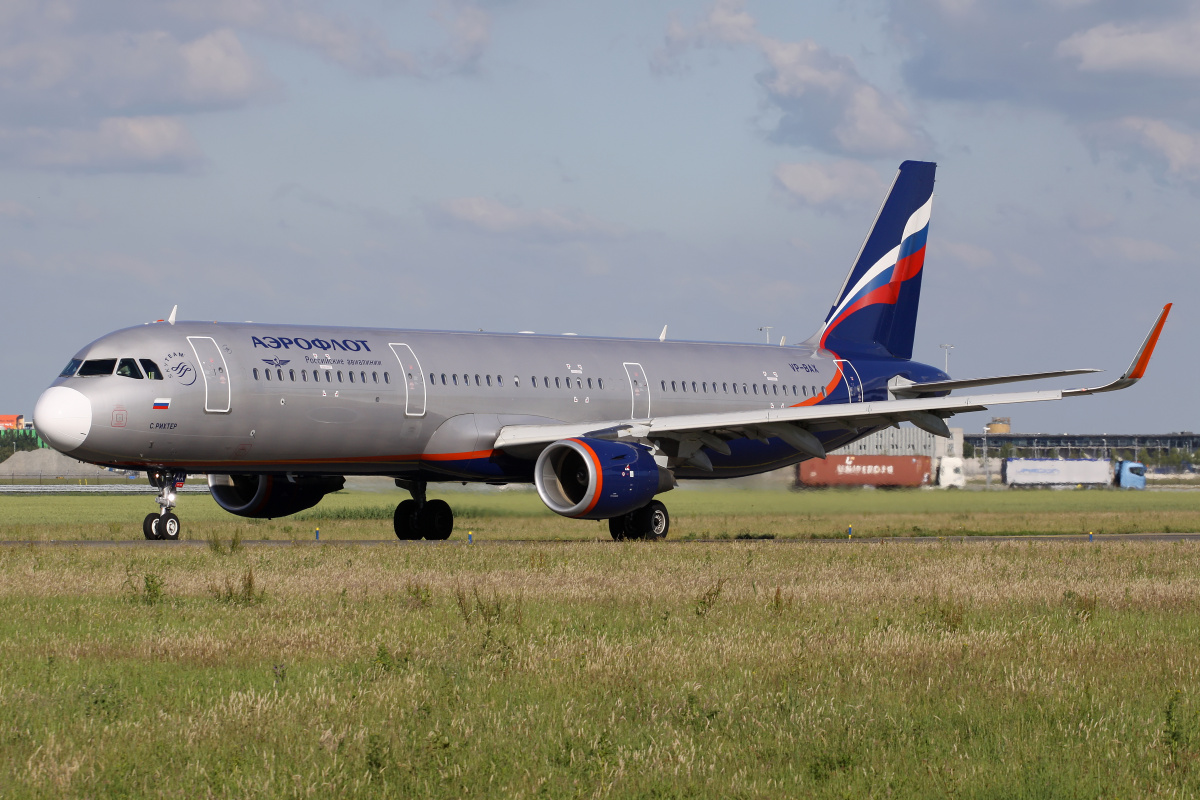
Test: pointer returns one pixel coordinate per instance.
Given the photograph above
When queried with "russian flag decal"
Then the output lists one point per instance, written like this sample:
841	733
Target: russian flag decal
162	404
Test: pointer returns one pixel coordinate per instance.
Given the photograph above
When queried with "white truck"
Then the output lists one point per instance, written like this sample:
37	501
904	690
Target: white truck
950	473
1057	472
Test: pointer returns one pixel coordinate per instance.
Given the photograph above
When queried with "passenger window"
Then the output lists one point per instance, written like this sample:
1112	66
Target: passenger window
477	383
317	375
151	369
704	387
499	381
744	389
292	375
97	367
600	383
339	373
128	368
725	388
455	377
756	388
673	387
664	385
375	377
489	380
443	379
431	378
280	372
362	376
774	388
546	381
267	374
805	388
387	378
304	375
693	386
351	375
785	390
557	385
735	391
516	382
255	370
533	380
70	369
466	380
684	385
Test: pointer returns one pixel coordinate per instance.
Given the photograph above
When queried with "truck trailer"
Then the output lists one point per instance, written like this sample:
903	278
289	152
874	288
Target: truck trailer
1072	472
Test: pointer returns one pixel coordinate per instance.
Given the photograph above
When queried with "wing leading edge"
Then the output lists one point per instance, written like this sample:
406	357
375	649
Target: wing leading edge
797	425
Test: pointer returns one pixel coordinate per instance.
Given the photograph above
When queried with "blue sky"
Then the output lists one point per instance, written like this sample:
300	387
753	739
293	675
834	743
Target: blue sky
607	169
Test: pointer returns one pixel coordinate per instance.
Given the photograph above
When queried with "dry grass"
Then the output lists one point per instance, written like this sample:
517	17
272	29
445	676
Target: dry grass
740	669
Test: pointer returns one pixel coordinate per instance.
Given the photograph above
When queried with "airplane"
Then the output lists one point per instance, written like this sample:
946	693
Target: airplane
278	415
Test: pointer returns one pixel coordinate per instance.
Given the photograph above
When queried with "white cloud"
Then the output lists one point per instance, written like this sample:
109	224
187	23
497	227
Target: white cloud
969	255
824	101
1176	152
493	217
1170	49
117	144
1131	250
833	185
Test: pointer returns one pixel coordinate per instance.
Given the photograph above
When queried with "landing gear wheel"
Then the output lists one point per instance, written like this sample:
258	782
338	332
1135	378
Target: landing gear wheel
616	527
404	521
650	522
436	520
168	527
150	526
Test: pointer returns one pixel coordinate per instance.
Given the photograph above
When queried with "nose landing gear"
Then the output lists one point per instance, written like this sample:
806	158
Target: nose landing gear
419	518
164	524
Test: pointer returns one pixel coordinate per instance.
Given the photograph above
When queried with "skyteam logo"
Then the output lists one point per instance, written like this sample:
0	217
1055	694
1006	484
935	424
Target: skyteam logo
177	366
276	362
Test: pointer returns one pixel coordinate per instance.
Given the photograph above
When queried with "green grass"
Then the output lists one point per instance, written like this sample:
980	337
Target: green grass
736	669
714	513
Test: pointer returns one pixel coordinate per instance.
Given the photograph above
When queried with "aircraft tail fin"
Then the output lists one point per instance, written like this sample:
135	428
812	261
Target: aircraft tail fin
876	311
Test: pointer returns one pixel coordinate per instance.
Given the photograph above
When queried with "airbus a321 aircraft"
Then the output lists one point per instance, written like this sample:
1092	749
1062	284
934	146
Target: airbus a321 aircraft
278	415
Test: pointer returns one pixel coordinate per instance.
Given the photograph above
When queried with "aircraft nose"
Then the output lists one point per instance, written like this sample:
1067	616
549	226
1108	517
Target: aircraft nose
63	417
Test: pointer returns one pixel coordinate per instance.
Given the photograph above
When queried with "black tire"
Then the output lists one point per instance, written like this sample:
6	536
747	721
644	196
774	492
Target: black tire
436	520
649	522
149	526
168	527
404	521
616	527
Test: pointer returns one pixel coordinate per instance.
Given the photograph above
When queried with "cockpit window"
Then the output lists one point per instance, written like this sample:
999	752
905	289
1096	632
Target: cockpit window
97	366
152	370
70	369
128	368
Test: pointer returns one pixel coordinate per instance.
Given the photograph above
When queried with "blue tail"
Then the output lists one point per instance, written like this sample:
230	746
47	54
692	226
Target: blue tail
876	311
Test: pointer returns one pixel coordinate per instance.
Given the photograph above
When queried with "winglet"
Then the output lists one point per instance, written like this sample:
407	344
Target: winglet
1137	369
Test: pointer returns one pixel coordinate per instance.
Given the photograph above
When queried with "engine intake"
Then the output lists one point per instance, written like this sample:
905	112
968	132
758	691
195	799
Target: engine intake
270	496
588	478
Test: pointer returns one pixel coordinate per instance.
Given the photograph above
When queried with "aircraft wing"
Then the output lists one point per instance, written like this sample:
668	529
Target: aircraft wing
797	425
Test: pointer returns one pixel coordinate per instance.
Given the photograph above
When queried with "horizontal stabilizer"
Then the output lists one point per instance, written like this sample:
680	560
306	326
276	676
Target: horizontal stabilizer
918	389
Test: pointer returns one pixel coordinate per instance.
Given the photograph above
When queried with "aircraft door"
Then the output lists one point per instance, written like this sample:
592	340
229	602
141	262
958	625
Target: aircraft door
413	379
215	372
853	382
639	389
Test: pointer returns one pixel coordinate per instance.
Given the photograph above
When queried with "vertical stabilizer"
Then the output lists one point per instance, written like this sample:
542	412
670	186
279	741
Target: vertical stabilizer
876	311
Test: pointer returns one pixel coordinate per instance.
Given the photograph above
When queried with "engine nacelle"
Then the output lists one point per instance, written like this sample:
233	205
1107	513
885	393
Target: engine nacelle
598	479
270	496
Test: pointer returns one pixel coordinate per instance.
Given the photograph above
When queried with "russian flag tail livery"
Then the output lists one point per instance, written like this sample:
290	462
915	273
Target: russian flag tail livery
876	311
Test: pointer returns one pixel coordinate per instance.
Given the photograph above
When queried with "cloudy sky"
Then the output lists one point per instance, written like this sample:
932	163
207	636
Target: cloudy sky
607	168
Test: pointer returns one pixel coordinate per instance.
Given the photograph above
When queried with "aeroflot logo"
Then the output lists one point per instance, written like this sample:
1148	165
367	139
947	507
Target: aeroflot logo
273	343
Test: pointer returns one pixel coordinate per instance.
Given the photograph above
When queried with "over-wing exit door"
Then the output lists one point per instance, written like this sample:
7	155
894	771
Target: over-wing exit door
639	388
414	380
215	372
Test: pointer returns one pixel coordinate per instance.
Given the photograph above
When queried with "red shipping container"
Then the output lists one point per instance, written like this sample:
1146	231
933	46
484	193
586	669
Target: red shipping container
865	471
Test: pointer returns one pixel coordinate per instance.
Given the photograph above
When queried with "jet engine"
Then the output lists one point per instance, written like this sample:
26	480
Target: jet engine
270	496
598	479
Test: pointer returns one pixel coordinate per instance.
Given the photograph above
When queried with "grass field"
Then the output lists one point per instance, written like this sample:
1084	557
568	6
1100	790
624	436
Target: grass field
729	669
694	514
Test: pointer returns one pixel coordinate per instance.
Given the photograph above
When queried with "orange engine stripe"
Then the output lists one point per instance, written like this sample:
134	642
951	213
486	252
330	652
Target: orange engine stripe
599	478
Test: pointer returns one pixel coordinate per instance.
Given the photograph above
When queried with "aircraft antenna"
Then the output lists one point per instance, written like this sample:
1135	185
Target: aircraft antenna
782	341
662	337
171	319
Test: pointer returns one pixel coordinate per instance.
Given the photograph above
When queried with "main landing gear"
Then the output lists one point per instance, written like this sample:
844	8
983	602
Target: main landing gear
419	518
164	524
651	521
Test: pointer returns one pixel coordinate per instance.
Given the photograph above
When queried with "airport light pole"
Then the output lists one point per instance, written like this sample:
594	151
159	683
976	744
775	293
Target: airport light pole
947	348
987	472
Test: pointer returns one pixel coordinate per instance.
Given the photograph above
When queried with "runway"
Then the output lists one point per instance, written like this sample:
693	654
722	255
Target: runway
849	541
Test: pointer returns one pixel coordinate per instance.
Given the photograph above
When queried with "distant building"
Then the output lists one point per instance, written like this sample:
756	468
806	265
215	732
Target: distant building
1083	445
12	422
906	441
